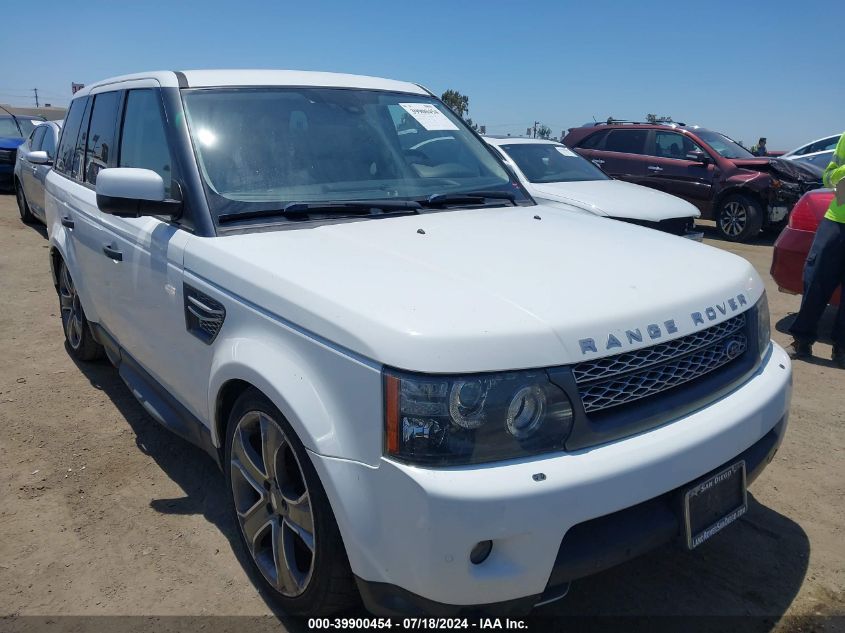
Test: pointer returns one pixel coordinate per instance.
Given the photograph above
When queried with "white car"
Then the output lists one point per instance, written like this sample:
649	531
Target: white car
553	173
828	143
422	387
34	159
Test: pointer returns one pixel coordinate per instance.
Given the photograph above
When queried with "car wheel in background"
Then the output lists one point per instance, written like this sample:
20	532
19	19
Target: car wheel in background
739	218
283	515
77	331
23	206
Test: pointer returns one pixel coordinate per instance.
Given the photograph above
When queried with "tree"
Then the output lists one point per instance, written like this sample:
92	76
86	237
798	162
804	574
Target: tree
458	102
653	118
543	131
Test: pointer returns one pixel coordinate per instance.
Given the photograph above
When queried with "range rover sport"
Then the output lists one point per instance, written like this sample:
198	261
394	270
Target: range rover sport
424	389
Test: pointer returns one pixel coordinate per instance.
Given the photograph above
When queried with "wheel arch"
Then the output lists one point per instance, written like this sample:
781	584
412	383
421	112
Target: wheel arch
321	399
740	190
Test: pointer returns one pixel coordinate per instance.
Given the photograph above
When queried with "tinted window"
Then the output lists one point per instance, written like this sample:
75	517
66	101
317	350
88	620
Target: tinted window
542	162
26	125
101	134
78	162
593	141
49	143
70	131
626	141
143	142
673	145
36	137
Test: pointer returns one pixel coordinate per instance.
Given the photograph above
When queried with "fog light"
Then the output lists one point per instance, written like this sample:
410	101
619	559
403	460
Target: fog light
480	552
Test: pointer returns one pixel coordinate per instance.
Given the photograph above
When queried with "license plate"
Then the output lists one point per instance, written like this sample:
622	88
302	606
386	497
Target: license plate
713	504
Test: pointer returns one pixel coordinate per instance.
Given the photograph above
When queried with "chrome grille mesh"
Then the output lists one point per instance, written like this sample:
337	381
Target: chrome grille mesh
609	382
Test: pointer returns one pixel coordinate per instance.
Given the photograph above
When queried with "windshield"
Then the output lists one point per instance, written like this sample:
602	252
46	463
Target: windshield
543	162
27	125
261	148
8	127
723	146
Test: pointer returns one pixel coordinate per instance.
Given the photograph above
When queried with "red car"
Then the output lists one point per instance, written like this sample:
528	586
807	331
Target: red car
795	240
743	193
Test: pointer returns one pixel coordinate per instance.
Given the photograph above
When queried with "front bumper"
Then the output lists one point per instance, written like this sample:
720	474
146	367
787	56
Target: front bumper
408	531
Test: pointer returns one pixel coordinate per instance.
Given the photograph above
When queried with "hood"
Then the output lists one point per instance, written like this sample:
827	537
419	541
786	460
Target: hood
477	290
617	199
10	142
781	168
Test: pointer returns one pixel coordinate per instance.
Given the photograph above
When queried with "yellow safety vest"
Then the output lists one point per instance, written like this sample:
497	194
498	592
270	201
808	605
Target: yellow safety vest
832	175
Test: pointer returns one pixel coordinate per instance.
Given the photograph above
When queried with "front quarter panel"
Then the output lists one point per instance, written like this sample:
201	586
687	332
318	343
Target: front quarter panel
331	399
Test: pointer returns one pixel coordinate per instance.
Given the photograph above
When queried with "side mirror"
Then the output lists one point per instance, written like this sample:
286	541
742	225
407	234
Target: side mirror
699	157
129	192
39	158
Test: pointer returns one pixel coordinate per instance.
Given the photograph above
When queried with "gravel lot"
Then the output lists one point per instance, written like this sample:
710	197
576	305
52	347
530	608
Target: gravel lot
106	513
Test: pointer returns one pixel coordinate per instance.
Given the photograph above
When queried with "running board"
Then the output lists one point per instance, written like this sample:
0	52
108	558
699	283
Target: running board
155	399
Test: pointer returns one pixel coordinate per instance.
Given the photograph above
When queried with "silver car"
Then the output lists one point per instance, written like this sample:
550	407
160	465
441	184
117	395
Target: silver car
34	159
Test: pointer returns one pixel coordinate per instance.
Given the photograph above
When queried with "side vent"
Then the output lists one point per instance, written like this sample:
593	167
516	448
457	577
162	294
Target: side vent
204	316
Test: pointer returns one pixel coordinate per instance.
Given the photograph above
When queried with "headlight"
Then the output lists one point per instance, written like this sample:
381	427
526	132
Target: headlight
475	418
764	325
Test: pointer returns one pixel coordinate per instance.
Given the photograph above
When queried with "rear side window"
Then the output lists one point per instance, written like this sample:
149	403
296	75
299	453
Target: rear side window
77	165
36	138
49	143
594	141
143	142
101	134
626	141
67	143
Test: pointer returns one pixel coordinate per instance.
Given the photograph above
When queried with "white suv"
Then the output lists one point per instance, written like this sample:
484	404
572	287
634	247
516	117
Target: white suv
423	388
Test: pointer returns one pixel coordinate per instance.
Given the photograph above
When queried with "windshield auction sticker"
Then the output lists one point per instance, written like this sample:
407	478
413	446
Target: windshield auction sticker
427	115
564	150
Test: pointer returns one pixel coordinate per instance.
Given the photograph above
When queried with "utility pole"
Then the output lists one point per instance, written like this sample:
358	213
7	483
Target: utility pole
536	123
35	90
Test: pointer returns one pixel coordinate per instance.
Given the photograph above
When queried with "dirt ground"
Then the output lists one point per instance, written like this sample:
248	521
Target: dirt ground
106	513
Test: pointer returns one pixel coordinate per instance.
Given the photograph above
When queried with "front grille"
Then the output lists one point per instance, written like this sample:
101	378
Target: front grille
608	382
7	156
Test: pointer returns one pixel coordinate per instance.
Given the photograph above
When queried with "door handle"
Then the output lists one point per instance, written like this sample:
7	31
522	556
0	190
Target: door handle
655	168
598	161
112	253
67	222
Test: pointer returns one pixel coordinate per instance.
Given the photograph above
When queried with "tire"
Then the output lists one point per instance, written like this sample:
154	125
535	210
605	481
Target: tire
740	218
23	205
284	518
78	336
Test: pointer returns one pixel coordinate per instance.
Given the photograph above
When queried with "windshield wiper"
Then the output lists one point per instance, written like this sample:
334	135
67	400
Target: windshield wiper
466	197
344	206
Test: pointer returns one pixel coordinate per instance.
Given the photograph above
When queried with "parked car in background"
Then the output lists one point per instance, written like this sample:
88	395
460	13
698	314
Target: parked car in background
742	192
795	240
819	160
35	158
555	174
819	145
13	130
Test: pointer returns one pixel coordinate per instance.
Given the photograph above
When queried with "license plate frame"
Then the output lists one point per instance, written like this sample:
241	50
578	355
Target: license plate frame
702	493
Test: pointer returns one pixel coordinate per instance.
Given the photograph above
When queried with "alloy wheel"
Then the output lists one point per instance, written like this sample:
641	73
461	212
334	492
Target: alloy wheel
734	218
71	309
273	503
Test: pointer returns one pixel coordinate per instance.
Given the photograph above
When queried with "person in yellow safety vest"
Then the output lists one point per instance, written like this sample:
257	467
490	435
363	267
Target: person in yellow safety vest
825	269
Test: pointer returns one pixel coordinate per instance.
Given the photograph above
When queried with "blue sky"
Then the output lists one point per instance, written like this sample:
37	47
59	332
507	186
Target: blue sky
748	69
